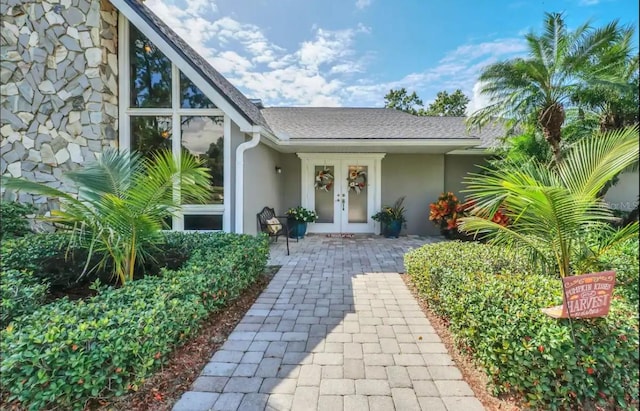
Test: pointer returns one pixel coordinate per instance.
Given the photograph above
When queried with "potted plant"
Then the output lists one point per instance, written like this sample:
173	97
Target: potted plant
298	218
391	218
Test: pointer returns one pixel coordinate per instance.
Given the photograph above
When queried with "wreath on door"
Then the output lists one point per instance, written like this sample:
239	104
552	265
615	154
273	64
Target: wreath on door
323	180
357	180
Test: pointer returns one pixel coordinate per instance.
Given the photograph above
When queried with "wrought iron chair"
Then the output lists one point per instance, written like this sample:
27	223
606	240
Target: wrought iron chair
273	229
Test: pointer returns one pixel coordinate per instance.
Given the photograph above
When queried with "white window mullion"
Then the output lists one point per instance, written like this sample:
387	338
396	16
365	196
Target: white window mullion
124	126
176	136
226	169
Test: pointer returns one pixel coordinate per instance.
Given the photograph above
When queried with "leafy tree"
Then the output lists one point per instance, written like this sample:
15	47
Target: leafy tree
552	210
401	100
123	199
454	104
613	105
537	88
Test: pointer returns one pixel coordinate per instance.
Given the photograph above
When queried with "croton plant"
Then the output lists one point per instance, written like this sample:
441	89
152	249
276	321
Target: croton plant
448	209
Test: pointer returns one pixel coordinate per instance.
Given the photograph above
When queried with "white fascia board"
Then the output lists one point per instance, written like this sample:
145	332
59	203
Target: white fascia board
184	66
463	143
471	152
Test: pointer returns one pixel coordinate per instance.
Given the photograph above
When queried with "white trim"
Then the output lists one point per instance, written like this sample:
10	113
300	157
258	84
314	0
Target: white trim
239	206
123	91
308	160
381	142
340	156
471	152
203	209
226	178
182	64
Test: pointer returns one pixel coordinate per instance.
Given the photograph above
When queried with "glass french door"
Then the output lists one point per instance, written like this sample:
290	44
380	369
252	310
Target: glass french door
342	195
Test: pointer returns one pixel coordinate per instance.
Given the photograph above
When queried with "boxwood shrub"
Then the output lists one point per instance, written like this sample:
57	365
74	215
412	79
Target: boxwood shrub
68	352
493	306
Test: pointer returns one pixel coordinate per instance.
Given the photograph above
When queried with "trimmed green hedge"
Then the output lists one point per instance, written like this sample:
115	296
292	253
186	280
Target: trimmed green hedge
50	257
13	219
20	294
493	306
109	344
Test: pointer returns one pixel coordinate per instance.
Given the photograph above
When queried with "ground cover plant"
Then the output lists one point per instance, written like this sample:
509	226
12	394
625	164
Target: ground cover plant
492	302
108	344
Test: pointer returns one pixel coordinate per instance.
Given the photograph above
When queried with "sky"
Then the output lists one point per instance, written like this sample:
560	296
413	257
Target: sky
350	53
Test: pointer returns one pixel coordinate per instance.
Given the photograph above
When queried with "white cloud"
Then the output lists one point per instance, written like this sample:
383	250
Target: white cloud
362	4
457	69
326	68
478	100
589	2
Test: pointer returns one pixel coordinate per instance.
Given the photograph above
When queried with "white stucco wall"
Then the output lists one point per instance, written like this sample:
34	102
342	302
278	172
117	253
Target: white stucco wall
418	177
624	195
262	185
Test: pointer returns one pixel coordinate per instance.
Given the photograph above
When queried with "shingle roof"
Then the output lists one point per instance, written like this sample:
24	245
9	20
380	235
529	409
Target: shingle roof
370	123
217	80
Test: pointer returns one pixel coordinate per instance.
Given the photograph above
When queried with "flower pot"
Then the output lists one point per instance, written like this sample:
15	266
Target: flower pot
392	229
298	229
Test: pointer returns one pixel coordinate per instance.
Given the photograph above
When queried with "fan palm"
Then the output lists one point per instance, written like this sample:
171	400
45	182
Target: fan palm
123	199
536	88
553	209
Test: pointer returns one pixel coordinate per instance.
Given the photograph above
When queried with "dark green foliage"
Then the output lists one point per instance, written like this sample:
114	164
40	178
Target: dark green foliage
493	307
445	104
109	344
51	258
13	221
21	294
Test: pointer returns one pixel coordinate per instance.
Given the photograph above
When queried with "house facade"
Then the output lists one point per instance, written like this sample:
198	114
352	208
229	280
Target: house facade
78	76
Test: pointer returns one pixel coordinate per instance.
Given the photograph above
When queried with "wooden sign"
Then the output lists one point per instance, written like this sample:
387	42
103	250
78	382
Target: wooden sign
586	296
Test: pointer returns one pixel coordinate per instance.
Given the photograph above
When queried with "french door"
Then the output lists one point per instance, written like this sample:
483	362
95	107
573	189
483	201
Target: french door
343	190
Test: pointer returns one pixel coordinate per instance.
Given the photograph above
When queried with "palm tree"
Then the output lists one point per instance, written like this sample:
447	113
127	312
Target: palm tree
122	202
537	88
553	209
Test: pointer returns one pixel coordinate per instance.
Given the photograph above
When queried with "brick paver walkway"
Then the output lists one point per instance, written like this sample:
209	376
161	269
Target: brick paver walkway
336	329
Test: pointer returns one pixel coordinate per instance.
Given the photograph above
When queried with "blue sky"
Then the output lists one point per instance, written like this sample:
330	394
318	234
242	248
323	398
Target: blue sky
352	52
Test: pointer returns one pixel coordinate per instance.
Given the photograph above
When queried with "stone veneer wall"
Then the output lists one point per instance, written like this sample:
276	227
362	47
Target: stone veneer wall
59	88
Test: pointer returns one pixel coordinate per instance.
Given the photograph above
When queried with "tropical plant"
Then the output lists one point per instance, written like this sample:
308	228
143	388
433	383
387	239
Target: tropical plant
302	215
537	88
122	203
390	214
551	209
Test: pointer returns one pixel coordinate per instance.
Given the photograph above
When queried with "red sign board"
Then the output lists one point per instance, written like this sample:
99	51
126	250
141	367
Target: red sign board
586	296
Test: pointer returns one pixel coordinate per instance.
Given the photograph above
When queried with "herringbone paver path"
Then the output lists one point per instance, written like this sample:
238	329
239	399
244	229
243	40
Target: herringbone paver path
336	329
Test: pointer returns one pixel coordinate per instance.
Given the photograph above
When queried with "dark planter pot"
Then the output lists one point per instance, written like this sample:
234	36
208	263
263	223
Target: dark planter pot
392	229
298	229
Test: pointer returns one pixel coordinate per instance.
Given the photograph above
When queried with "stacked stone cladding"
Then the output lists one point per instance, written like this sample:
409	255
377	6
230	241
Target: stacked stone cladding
59	88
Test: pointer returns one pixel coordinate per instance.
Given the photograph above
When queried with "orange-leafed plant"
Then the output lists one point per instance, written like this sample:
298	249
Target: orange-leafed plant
448	209
445	212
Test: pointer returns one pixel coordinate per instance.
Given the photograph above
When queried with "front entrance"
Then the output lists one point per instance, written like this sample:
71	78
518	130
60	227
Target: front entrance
343	189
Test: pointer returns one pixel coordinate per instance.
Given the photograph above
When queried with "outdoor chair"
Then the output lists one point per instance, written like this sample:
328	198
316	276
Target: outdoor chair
272	225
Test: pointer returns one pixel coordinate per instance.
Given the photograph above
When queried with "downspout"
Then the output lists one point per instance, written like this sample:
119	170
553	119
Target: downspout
240	180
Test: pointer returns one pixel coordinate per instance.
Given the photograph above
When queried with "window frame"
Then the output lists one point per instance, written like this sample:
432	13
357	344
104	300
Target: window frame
125	113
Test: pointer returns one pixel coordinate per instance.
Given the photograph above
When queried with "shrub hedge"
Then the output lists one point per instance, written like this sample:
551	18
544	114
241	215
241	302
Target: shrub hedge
493	306
109	344
13	219
20	293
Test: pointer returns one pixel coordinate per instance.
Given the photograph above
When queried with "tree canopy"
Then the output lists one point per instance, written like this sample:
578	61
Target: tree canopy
445	104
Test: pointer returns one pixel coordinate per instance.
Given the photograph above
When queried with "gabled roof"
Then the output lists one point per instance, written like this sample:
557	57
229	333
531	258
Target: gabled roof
308	123
238	100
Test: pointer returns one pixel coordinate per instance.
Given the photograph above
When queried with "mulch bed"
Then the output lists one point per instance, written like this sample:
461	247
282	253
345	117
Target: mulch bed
164	388
476	378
